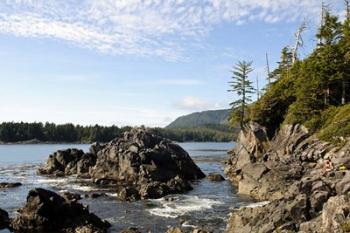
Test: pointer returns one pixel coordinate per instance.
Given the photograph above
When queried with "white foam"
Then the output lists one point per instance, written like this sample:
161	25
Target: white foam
112	194
81	188
181	206
52	181
257	204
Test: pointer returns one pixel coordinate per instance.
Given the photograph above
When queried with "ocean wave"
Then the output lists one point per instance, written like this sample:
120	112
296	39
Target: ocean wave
52	181
181	205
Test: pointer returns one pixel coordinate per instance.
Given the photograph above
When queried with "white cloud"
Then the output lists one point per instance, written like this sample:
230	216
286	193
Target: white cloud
141	27
194	103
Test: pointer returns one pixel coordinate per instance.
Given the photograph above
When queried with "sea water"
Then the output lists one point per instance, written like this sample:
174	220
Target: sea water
208	205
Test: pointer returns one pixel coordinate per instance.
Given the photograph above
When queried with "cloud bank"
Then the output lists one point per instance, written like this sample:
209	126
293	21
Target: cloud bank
161	28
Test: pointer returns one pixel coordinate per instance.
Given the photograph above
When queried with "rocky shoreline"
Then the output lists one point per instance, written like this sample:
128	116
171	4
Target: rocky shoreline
302	182
305	181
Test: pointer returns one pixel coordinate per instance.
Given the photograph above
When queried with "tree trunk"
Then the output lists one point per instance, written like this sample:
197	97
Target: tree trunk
343	96
326	96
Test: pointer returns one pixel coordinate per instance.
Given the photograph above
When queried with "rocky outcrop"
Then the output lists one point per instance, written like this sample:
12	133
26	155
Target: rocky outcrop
68	162
214	176
5	185
297	173
140	163
46	211
4	219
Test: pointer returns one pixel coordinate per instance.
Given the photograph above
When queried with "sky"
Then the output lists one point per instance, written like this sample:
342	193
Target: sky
138	62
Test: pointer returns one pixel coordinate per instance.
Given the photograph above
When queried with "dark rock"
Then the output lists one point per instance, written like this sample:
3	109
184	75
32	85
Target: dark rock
71	196
215	177
4	219
5	185
128	194
139	160
97	195
65	162
46	211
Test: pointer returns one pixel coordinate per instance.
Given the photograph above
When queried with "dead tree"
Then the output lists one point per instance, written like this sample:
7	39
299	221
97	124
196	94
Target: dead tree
298	41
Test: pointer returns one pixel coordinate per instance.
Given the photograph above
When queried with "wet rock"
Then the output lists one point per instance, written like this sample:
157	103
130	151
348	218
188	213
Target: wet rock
97	195
46	211
71	196
128	194
138	159
5	185
175	230
131	230
215	177
4	219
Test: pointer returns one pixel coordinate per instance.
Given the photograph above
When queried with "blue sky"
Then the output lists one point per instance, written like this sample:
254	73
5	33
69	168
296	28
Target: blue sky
132	62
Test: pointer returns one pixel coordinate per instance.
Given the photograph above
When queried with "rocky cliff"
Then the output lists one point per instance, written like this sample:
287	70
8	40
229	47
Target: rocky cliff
139	163
305	180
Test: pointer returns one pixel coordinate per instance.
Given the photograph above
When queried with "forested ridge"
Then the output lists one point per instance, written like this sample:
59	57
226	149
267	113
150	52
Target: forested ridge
12	132
314	91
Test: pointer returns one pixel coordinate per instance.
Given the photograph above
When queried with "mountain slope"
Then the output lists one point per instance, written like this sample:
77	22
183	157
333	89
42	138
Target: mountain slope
212	117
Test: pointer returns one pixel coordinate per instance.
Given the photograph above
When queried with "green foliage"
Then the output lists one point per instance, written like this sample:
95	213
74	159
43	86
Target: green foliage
335	123
11	132
214	117
208	133
314	92
242	87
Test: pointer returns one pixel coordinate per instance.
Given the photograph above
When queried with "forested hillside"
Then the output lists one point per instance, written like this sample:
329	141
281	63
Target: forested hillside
314	91
213	117
11	132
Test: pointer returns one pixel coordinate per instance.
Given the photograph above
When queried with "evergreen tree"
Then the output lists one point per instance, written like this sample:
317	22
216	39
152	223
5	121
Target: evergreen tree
242	86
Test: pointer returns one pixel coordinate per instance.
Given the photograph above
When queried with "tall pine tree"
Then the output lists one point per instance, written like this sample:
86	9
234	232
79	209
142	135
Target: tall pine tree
242	86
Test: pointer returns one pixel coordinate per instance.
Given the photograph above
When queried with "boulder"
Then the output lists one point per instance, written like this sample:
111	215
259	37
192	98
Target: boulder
46	211
137	160
4	219
214	176
5	185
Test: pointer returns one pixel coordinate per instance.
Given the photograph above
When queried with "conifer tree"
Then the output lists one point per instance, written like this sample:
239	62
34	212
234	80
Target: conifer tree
242	86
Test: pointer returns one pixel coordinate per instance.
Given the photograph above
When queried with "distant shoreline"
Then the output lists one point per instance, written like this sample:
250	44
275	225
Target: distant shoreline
37	142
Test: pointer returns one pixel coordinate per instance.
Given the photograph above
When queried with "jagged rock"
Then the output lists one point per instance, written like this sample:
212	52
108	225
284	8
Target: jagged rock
46	211
335	215
290	171
4	219
65	162
138	160
5	185
214	176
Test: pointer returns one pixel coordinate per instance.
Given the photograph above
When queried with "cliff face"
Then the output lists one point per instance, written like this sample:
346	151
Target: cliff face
303	178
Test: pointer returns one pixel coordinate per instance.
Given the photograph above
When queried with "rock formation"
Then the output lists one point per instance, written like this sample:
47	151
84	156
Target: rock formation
214	176
303	179
46	211
5	185
141	164
4	219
